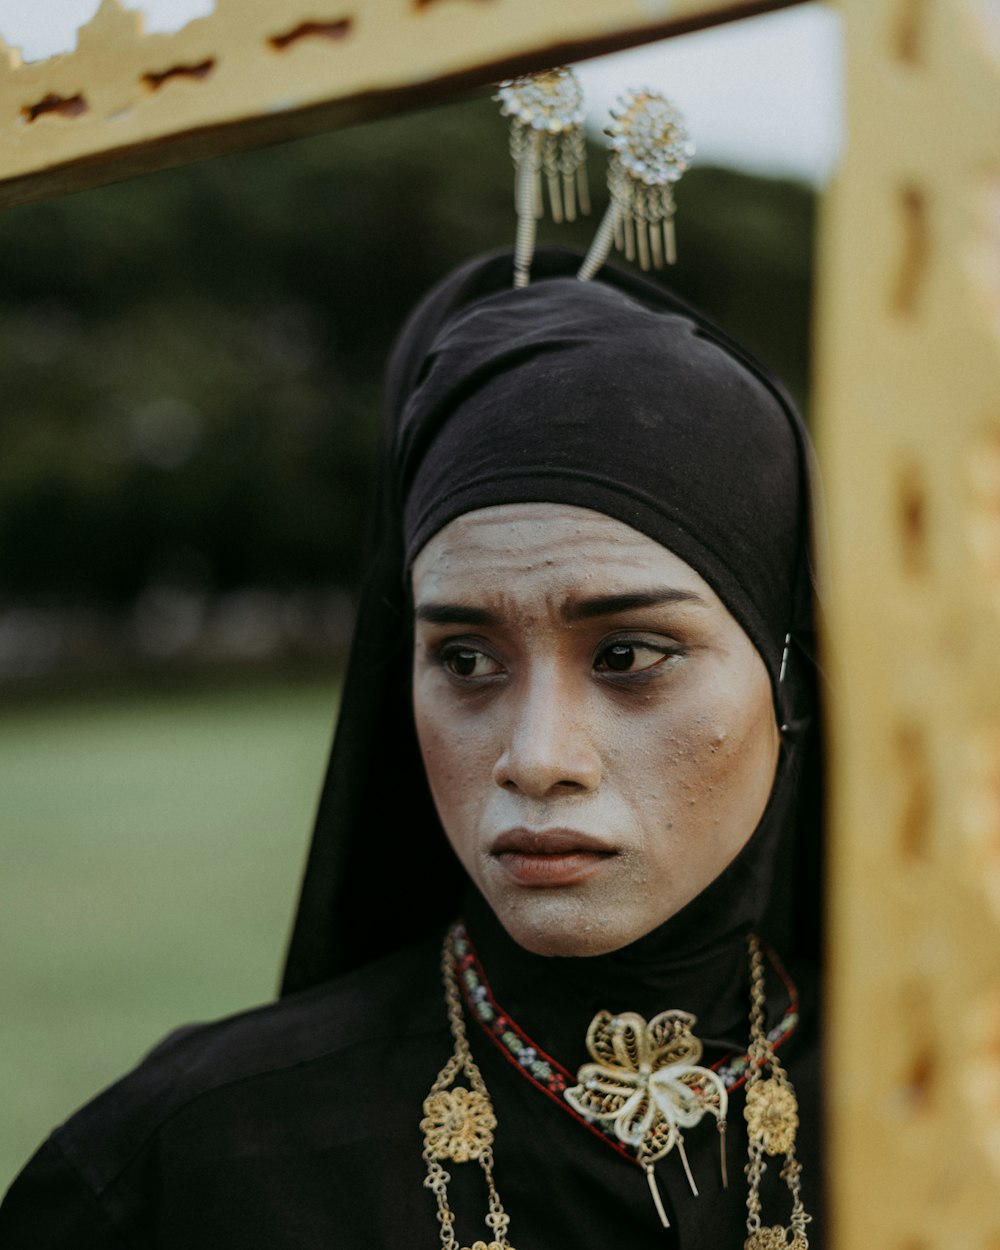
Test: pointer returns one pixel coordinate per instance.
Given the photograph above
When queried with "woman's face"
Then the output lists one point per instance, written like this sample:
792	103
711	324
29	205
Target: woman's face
598	732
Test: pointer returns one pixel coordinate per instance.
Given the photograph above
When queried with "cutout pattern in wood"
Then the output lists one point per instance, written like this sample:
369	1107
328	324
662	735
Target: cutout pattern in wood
908	30
921	1063
914	771
280	71
337	30
54	105
154	79
912	519
914	248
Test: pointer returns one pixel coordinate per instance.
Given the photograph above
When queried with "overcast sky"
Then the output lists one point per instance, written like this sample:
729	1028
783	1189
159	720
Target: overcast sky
760	94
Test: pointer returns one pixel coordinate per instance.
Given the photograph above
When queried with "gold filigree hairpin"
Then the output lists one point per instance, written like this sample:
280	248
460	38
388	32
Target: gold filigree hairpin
650	150
546	139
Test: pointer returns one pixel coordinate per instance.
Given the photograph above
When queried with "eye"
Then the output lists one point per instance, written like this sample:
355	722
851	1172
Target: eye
629	657
468	662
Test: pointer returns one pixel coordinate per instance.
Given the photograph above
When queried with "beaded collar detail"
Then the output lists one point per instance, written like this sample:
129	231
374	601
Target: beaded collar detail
546	1073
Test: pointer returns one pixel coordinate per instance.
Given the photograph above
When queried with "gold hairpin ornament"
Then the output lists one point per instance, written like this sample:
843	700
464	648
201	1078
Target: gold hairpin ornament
546	139
650	150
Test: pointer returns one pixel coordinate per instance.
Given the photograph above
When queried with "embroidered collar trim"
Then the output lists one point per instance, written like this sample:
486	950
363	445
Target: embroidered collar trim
546	1073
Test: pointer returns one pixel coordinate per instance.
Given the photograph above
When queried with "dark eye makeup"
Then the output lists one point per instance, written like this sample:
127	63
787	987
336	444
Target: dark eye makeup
633	656
467	662
630	657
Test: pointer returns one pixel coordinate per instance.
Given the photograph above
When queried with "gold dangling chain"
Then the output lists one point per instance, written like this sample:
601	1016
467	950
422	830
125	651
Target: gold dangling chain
458	1127
772	1116
459	1120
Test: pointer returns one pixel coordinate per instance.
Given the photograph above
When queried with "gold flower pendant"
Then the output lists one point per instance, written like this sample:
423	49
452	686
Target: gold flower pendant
772	1116
458	1124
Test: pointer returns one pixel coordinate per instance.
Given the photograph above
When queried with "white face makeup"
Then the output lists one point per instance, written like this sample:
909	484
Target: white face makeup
597	730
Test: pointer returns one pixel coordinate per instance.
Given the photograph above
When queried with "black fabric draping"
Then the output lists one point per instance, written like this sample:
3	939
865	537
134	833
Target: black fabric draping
613	395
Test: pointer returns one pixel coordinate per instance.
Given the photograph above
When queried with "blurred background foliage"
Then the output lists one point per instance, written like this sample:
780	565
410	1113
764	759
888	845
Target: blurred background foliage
191	364
190	367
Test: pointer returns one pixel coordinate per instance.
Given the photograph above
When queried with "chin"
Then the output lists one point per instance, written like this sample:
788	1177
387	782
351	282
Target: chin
559	924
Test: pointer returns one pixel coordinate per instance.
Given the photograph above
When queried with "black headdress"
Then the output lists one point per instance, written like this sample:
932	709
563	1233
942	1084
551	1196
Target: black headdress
612	395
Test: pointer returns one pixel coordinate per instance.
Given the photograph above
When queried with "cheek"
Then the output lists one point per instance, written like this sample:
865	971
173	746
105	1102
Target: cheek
450	758
738	749
705	769
435	747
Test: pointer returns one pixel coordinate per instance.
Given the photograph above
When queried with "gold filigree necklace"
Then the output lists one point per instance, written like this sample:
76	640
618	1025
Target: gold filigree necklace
642	1089
458	1125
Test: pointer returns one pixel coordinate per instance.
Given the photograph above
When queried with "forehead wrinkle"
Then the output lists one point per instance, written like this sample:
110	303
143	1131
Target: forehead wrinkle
498	551
544	560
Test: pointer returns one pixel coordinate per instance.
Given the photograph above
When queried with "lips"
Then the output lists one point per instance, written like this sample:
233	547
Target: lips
550	857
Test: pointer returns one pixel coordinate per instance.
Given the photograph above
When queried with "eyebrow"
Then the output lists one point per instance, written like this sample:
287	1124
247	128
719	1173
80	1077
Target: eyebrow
580	610
454	614
611	605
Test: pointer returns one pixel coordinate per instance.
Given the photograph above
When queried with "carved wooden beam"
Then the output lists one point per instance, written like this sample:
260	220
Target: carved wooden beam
255	72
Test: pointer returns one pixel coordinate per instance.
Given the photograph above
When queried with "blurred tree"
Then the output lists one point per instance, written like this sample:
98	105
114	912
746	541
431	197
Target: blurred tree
191	362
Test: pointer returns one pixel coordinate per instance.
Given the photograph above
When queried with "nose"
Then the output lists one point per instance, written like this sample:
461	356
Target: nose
550	745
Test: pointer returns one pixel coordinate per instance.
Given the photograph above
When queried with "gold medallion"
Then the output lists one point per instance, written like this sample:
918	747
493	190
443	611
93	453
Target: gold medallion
458	1124
772	1115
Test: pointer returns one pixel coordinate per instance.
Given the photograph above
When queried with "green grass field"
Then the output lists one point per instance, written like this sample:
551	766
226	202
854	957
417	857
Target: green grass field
151	849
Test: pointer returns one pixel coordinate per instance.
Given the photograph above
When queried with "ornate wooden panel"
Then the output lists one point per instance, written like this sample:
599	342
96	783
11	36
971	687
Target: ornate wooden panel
254	72
909	398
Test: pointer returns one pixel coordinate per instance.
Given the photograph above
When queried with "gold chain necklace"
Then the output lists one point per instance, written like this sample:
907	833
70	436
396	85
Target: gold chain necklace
645	1081
458	1126
772	1116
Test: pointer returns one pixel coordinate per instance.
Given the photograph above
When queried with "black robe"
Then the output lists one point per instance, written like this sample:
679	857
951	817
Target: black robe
297	1125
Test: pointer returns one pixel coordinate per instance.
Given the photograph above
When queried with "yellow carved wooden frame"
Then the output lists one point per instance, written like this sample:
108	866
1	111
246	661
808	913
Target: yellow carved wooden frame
908	423
908	401
254	72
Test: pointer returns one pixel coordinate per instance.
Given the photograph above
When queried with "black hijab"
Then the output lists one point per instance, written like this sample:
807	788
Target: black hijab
612	395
